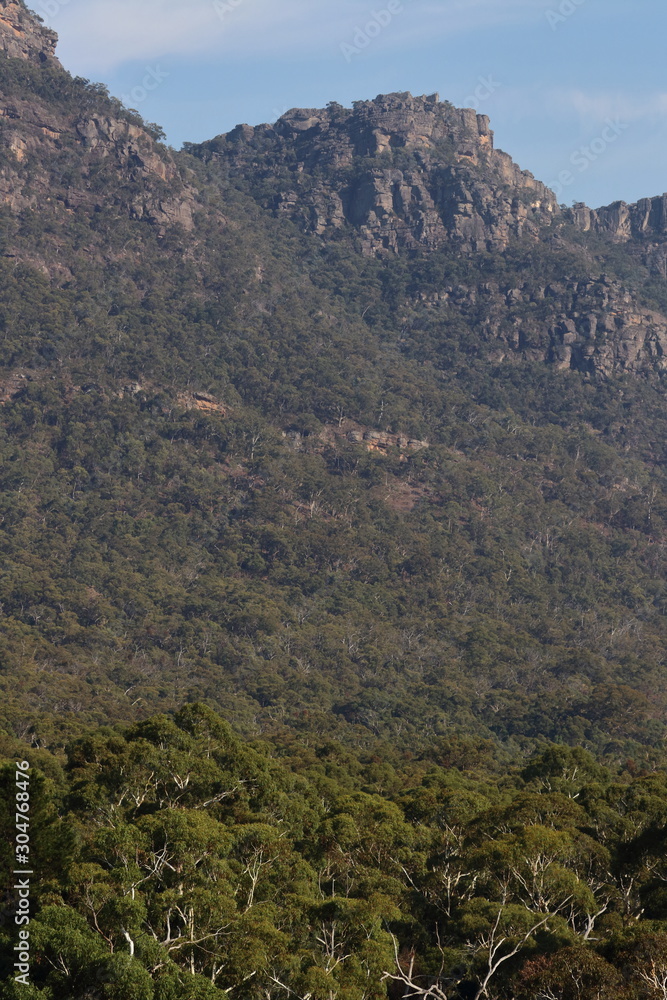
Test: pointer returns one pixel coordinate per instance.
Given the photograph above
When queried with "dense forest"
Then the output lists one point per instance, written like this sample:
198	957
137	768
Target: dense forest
175	860
332	562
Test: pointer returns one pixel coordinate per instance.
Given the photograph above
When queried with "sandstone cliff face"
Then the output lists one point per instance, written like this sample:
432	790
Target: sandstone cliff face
149	184
399	175
407	173
642	225
22	36
55	157
412	174
647	219
591	326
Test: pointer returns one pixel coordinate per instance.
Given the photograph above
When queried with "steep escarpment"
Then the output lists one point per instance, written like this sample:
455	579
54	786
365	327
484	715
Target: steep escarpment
22	36
66	146
593	326
646	219
640	227
406	173
404	177
110	156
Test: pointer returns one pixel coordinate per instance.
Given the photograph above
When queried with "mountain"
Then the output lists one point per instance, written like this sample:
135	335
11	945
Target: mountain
333	562
341	423
403	175
407	173
410	174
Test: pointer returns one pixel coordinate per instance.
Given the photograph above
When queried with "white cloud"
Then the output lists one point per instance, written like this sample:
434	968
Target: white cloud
99	35
587	110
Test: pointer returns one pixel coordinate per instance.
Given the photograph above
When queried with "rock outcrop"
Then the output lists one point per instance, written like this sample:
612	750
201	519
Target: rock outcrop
404	174
593	326
407	173
22	36
348	430
643	225
38	135
646	219
202	401
146	182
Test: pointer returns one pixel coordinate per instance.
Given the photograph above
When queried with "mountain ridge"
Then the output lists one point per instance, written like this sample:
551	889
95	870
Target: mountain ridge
390	120
404	175
399	120
362	492
333	561
436	198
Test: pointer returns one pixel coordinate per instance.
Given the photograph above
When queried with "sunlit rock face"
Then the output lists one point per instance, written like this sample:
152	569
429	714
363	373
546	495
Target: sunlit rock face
38	134
22	36
408	173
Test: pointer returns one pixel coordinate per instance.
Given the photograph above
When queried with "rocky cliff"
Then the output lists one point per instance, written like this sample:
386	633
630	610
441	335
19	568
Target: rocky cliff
406	173
395	177
409	175
595	326
646	219
22	36
70	147
642	226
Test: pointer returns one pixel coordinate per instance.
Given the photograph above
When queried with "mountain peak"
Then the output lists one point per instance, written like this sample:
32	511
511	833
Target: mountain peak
22	34
393	121
407	173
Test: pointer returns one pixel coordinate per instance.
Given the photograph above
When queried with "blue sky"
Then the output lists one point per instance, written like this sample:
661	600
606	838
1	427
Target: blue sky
573	87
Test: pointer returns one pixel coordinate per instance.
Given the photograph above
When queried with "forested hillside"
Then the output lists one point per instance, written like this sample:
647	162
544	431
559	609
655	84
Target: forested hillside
252	464
176	861
333	525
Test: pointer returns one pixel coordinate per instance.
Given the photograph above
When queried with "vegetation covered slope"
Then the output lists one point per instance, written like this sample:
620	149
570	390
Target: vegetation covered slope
246	464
